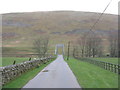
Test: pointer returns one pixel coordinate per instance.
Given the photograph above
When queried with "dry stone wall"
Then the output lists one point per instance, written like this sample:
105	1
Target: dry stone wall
12	71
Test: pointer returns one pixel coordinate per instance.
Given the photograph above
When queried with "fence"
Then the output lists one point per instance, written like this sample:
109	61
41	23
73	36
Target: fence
12	71
105	65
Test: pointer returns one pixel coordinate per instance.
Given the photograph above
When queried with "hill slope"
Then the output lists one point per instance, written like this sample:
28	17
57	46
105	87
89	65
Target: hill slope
20	29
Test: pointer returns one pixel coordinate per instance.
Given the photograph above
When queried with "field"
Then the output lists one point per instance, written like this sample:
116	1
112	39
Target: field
17	50
90	76
9	60
20	81
110	60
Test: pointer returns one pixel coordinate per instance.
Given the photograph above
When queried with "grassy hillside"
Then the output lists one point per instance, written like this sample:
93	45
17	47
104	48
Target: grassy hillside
20	29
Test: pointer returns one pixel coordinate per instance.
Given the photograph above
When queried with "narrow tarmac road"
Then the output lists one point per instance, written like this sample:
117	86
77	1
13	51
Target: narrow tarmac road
55	75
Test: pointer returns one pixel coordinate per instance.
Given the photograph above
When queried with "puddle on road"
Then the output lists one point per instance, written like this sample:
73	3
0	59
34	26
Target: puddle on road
45	71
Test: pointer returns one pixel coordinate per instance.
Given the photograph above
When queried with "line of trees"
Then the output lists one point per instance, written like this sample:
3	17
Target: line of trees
90	44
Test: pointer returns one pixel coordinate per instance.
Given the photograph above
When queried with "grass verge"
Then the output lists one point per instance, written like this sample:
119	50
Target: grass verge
20	81
91	76
110	60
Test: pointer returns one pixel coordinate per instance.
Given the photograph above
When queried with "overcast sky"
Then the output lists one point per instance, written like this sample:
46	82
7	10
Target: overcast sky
10	6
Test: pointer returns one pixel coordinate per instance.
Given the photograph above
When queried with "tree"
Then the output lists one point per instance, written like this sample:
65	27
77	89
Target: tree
41	46
82	44
90	44
113	47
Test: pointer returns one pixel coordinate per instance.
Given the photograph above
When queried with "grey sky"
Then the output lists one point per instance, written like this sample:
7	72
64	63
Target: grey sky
8	6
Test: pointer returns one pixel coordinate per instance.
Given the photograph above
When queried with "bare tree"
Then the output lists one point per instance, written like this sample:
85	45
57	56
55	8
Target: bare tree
113	47
41	46
119	42
90	44
82	45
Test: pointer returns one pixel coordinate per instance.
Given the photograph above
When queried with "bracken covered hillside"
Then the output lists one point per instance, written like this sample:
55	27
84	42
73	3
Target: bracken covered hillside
20	29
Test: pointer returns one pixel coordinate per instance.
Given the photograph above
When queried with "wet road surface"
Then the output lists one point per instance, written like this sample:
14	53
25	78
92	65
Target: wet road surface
55	75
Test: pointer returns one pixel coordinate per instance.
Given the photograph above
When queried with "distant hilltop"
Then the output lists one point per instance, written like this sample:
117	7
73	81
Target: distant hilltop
22	27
